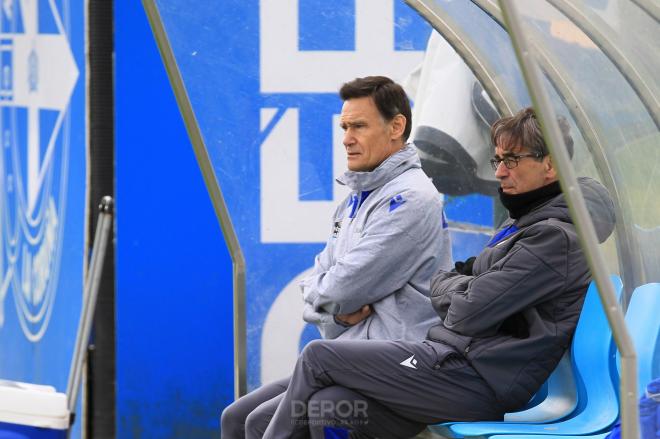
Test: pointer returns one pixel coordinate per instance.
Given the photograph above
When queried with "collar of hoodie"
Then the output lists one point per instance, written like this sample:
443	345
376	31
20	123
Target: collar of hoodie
393	166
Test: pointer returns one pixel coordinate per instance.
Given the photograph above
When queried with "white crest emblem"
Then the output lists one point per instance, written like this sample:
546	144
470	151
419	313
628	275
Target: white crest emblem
37	77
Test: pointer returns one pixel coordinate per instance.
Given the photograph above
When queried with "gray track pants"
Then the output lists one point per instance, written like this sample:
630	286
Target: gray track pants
248	417
384	389
334	406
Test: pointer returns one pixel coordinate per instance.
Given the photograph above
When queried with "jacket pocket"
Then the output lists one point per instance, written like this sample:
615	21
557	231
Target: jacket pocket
446	356
440	334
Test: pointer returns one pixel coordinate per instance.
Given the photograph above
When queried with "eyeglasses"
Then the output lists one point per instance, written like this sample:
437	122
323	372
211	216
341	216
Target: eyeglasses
511	161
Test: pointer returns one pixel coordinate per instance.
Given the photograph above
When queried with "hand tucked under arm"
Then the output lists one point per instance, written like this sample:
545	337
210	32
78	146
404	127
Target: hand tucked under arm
465	267
355	317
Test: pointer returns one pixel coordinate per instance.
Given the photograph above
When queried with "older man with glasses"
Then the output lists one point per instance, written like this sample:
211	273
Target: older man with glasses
505	318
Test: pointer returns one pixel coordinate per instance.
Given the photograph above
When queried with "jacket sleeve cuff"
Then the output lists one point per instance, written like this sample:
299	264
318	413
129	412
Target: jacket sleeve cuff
309	294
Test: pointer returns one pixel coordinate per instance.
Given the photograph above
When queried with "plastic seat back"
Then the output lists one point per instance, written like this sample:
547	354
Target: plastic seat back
643	322
560	396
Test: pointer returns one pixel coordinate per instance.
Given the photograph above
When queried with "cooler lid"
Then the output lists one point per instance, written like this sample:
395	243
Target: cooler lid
32	404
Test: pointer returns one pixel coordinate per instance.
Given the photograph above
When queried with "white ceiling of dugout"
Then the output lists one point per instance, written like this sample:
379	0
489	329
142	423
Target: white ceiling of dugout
599	75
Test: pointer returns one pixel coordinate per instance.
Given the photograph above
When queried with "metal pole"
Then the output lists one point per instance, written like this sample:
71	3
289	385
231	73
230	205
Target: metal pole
213	186
91	290
581	218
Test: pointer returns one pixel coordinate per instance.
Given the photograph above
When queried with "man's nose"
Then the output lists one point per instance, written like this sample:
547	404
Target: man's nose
349	139
501	171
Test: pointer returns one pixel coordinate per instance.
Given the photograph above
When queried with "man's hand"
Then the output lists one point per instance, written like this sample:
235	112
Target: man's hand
355	317
465	267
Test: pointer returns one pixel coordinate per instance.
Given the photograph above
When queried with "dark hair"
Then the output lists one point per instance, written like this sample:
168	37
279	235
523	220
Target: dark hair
523	129
389	97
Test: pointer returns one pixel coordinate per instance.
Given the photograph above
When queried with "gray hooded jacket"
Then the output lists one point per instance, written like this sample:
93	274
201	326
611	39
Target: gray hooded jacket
515	316
388	238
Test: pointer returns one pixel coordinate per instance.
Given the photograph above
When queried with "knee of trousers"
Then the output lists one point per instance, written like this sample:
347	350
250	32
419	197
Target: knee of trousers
232	421
336	403
313	350
322	406
256	423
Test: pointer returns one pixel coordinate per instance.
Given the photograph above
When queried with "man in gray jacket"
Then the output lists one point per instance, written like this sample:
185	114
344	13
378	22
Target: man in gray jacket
387	239
507	317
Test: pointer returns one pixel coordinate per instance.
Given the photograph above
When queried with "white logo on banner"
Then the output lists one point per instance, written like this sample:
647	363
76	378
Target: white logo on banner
37	74
286	69
284	217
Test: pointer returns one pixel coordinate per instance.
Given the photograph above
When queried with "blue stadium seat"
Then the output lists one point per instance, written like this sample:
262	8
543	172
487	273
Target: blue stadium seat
644	326
522	436
643	322
592	355
559	399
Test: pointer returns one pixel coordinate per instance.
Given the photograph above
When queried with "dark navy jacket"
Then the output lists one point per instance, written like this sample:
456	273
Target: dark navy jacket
514	317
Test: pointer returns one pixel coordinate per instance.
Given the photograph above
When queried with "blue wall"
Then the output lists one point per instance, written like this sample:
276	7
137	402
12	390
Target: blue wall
174	290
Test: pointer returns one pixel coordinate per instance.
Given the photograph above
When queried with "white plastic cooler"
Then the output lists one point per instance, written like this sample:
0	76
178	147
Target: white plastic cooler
32	411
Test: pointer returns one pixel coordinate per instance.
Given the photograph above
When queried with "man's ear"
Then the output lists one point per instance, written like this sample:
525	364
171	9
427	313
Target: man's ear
550	170
398	124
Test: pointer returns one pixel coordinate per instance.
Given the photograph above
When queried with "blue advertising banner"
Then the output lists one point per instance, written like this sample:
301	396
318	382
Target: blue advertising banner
262	79
173	272
42	187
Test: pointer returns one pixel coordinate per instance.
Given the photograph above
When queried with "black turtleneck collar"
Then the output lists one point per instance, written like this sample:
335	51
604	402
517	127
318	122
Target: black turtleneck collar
521	204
